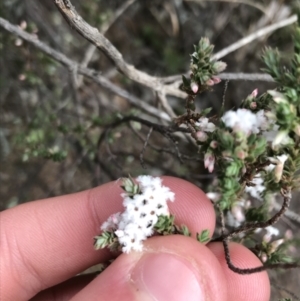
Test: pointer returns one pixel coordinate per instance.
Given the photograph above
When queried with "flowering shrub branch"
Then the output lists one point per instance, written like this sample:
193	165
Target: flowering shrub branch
254	150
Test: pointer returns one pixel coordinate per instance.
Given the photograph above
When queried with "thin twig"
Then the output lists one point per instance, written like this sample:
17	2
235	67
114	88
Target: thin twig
285	290
247	76
224	97
112	156
165	150
247	2
164	102
144	148
258	34
73	82
264	77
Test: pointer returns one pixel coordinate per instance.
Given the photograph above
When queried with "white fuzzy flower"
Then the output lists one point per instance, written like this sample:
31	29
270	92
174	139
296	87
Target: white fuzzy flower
204	125
246	121
271	231
256	190
240	120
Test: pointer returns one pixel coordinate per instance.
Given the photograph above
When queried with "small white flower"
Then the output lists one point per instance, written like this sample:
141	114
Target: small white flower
256	191
204	125
271	231
214	196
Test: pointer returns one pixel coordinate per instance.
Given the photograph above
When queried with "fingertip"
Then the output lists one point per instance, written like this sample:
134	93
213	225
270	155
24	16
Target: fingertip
169	268
253	287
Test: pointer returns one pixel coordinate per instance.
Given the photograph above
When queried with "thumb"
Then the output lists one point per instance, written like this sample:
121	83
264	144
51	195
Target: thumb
169	268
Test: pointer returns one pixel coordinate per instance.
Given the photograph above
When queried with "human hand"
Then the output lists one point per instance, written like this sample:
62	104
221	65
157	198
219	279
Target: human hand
44	244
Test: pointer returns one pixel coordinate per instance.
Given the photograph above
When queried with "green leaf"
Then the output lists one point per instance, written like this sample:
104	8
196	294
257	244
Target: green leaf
203	237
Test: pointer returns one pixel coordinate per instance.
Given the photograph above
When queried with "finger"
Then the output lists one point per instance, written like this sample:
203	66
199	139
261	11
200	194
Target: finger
46	242
253	287
170	268
66	290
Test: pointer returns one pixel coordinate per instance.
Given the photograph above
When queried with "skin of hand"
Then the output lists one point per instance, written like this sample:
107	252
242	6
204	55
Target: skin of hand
45	244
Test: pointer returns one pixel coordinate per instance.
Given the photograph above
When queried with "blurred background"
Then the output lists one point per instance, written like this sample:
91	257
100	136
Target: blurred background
56	127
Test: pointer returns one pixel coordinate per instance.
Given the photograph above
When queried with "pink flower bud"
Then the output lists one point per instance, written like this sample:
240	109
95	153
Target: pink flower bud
213	144
22	77
238	213
264	257
201	136
216	80
23	25
253	105
209	162
210	82
288	234
194	87
254	93
241	154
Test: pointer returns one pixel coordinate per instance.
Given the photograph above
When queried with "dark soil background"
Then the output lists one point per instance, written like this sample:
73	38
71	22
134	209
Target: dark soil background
41	110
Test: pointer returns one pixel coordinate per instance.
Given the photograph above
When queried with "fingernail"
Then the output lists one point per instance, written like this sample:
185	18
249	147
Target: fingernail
165	277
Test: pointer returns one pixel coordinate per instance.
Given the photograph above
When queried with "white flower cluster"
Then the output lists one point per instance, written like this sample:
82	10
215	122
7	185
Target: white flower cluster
141	213
246	121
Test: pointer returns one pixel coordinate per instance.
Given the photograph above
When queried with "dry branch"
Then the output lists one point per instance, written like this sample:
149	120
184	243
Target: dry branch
93	35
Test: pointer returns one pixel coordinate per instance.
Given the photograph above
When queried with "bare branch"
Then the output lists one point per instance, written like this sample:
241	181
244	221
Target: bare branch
258	34
247	2
90	73
176	79
247	76
93	35
144	148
